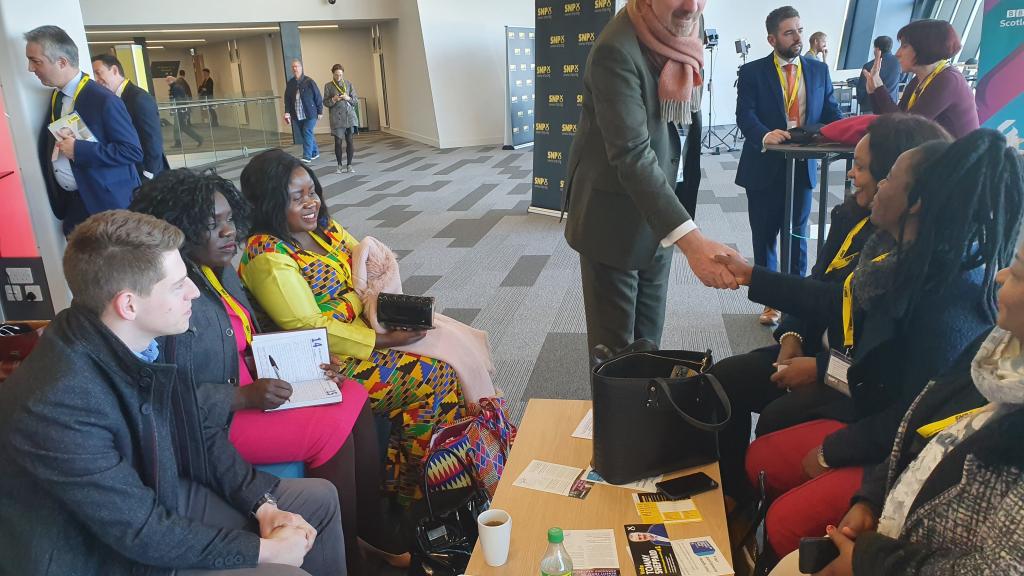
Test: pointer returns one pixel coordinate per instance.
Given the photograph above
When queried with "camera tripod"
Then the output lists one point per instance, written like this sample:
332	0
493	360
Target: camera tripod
735	132
707	142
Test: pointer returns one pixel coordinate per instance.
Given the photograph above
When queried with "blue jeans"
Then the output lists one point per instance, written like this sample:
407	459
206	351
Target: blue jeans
765	210
309	147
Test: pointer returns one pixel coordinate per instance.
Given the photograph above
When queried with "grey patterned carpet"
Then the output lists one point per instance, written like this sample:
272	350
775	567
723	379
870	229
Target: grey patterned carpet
457	219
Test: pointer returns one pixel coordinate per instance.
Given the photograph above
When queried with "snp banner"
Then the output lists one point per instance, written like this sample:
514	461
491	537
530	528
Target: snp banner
521	91
1001	70
566	30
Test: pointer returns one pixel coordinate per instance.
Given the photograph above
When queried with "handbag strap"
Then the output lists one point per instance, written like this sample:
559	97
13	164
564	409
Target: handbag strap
719	391
426	483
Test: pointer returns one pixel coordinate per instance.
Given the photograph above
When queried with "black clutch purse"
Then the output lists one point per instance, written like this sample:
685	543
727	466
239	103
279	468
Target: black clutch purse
405	312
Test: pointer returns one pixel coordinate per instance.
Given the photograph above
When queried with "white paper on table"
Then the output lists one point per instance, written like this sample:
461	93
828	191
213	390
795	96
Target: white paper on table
585	430
591	548
642	485
548	477
700	557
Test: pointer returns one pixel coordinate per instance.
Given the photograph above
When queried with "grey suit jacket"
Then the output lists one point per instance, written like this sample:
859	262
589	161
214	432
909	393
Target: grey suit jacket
620	187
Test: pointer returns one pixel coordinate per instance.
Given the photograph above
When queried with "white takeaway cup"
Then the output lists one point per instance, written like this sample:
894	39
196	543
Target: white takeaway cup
496	537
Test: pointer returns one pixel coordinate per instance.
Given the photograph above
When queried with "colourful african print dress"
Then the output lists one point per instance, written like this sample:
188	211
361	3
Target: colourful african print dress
301	289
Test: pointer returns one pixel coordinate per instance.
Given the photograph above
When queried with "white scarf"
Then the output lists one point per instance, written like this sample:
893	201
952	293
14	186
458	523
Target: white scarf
998	373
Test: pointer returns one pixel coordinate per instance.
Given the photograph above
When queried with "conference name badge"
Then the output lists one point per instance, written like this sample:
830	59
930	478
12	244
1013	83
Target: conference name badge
836	374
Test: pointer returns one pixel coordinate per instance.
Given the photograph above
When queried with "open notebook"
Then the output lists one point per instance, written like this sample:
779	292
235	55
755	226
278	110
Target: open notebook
298	356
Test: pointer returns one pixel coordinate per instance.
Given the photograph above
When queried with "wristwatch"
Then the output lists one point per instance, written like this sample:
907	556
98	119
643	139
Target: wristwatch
268	498
821	457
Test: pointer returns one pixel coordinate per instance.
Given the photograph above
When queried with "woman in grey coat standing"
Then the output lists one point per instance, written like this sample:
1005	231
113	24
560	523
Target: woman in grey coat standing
340	96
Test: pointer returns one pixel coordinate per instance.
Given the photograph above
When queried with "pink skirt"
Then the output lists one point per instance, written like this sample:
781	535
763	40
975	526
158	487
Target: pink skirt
312	435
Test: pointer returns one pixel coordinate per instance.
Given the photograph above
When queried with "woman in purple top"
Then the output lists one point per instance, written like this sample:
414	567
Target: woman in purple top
938	91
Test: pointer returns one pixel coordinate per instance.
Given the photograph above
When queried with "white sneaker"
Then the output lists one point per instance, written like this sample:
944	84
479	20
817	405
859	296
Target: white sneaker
315	156
340	170
350	169
305	160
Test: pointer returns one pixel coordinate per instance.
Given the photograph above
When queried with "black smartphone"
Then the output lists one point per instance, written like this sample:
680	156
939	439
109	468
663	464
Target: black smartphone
686	486
816	553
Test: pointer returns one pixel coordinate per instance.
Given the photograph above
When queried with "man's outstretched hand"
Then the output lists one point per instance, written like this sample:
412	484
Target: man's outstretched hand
700	253
737	266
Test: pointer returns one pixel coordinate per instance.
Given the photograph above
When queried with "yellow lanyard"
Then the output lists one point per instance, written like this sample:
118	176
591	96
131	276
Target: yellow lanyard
340	89
842	259
230	301
929	430
794	92
848	305
74	99
921	87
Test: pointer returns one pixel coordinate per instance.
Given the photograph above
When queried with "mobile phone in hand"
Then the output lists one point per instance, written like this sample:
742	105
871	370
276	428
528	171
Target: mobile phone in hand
816	553
686	486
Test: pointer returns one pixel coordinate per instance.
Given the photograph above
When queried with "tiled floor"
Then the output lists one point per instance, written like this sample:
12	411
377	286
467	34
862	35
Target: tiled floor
458	220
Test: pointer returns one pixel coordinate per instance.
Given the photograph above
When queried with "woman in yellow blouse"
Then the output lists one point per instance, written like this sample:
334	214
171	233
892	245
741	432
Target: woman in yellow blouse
297	265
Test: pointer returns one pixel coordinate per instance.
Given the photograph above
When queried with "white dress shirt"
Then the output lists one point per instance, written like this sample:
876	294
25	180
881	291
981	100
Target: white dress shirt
62	165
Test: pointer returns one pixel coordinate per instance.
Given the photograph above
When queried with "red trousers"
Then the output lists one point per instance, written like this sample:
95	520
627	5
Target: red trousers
801	506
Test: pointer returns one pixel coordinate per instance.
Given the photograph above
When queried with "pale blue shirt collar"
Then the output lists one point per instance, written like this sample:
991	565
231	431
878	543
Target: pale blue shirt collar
69	88
150	354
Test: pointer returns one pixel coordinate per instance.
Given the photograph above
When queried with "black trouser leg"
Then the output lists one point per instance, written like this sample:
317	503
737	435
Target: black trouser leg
338	150
349	149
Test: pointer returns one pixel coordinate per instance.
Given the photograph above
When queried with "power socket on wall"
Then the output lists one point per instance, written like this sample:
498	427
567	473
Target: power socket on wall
25	294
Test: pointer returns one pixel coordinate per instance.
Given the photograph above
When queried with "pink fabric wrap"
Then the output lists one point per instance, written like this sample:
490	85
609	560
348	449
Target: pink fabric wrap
466	349
683	58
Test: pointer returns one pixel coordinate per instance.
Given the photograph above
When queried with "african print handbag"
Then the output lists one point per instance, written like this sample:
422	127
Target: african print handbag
483	441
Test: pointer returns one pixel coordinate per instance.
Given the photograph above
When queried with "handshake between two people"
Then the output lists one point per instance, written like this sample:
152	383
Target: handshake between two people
714	263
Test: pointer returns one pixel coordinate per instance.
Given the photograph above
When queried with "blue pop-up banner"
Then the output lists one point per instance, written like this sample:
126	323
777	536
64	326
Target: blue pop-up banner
1000	94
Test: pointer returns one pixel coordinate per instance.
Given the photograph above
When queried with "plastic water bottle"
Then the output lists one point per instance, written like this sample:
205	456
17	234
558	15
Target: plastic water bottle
556	561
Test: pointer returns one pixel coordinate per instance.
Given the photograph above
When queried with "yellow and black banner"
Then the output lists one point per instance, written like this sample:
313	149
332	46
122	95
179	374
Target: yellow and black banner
566	30
519	43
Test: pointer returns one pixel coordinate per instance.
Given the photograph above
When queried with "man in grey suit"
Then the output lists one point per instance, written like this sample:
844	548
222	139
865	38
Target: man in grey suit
623	212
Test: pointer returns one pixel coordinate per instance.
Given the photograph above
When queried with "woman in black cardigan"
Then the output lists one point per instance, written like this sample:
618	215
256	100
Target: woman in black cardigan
922	292
751	379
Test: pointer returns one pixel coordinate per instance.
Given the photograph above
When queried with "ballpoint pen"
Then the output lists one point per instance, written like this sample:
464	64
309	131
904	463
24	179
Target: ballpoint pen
274	366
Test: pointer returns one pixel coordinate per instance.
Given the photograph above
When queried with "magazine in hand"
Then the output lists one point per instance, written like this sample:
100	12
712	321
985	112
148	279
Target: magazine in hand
71	125
295	357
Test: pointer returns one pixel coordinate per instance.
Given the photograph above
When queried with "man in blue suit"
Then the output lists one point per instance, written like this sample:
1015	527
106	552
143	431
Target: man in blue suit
775	94
82	177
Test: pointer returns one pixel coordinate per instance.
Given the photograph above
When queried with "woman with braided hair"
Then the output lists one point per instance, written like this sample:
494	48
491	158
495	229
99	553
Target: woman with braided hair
919	303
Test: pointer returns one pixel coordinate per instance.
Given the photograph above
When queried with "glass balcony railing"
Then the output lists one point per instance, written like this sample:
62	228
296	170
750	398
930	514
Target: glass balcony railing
200	133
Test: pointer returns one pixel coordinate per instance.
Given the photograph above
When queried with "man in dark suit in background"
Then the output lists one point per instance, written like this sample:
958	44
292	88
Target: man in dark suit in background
206	93
82	177
179	95
773	95
625	212
890	74
142	109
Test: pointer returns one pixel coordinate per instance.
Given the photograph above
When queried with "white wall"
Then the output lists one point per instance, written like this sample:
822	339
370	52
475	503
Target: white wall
179	12
350	47
26	103
184	63
465	50
825	15
410	99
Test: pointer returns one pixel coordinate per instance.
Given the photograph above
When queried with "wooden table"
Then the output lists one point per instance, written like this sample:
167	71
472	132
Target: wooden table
827	153
546	434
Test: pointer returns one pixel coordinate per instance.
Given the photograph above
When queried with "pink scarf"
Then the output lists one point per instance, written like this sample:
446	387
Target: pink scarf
683	58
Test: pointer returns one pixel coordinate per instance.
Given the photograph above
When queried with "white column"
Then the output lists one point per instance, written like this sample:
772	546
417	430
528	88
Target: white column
26	101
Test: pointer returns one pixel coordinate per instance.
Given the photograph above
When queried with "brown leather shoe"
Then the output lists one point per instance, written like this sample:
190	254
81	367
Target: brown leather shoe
769	317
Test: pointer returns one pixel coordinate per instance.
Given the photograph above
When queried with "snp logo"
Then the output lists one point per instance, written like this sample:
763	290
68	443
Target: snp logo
529	81
571	69
554	156
511	67
557	40
538	181
512	35
545	12
573	8
561	184
528	51
568	129
519	83
515	130
1019	13
587	37
520	113
556	99
579	99
522	67
516	99
543	70
541	127
602	4
522	35
531	35
517	51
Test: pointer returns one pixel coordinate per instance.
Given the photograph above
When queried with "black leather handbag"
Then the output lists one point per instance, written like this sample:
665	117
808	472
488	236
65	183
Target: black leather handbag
446	533
655	411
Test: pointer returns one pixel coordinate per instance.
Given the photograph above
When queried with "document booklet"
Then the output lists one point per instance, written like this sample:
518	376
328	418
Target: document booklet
295	357
71	125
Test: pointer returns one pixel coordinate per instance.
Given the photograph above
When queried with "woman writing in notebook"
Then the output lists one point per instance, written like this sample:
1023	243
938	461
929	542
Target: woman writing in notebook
298	266
337	442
